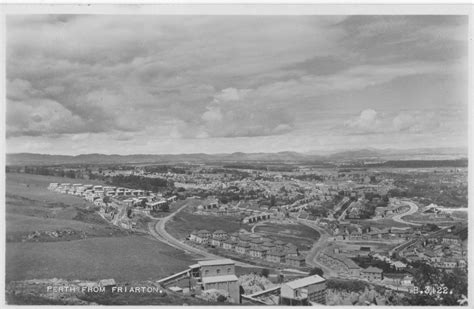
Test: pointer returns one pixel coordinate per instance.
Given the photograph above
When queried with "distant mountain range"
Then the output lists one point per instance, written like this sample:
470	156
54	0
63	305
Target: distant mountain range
370	155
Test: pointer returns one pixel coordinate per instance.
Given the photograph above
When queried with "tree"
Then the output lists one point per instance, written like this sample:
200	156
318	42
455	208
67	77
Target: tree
265	272
70	174
272	200
165	207
106	200
316	271
143	203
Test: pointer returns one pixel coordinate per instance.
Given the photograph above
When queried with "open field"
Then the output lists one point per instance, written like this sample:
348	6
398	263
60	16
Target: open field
122	258
380	223
427	218
462	215
184	223
34	187
30	207
105	252
300	235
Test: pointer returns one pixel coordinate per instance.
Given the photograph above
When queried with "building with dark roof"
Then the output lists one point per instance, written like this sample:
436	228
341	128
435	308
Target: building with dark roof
276	256
295	261
242	247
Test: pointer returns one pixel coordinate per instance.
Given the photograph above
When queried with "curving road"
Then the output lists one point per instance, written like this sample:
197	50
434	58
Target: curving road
317	250
413	209
158	231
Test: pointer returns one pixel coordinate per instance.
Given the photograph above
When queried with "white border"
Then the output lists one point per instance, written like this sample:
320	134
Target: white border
244	7
239	9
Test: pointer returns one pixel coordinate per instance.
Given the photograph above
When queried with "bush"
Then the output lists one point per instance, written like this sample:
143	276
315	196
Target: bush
316	271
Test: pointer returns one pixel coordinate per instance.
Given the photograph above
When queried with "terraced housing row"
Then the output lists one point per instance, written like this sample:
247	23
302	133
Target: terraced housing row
253	245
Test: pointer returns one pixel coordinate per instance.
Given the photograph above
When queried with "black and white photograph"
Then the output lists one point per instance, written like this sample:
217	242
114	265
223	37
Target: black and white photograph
239	155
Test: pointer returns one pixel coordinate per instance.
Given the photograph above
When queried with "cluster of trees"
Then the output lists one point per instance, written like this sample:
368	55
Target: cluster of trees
46	171
373	200
444	195
142	183
228	196
321	212
235	174
428	276
262	167
370	196
316	271
421	163
365	262
165	169
309	177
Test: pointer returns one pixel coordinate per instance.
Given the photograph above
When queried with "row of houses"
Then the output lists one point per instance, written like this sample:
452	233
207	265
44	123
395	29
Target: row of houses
211	206
445	249
91	191
388	233
254	246
434	258
96	193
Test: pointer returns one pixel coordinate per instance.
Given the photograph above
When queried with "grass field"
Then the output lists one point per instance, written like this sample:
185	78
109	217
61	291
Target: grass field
31	207
184	222
429	218
380	223
122	258
34	187
300	235
107	252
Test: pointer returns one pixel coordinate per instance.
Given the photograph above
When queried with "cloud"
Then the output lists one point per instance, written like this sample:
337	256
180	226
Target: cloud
370	121
367	121
378	39
41	117
233	114
225	77
20	89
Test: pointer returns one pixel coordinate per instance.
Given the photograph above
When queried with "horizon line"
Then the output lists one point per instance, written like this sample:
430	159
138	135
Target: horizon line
308	153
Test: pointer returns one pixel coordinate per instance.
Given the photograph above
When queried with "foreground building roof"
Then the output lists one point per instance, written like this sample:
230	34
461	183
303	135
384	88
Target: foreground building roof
305	281
216	262
216	279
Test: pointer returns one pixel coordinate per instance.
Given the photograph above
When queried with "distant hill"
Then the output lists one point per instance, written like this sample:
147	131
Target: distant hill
44	159
357	154
278	157
421	163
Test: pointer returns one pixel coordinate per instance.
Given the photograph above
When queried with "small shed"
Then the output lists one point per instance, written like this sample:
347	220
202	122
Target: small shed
108	284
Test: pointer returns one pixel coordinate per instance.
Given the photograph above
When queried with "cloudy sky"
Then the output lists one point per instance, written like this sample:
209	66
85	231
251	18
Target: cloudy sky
184	84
